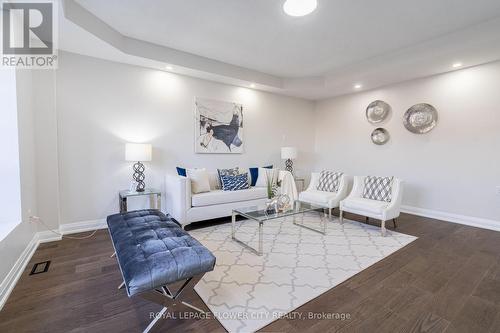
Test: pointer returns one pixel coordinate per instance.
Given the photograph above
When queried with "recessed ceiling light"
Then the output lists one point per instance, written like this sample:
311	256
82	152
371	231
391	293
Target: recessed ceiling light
168	68
299	7
457	65
252	85
358	86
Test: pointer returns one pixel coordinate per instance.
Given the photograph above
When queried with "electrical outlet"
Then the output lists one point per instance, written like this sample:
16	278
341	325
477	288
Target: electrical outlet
498	190
33	219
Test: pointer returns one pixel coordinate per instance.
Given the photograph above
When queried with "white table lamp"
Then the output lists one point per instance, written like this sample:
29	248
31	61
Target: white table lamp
138	152
289	154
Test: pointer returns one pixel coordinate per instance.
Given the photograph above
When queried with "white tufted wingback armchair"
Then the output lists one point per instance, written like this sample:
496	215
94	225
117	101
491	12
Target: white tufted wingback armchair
328	200
380	210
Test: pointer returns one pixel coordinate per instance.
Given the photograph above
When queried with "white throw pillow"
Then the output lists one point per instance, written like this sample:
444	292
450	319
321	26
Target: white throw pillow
199	180
263	176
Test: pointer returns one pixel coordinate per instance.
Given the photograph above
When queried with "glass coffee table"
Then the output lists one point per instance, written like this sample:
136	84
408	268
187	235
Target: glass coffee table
260	215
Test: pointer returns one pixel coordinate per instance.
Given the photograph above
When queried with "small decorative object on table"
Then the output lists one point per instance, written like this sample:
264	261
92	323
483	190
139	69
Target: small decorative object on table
289	154
138	152
283	203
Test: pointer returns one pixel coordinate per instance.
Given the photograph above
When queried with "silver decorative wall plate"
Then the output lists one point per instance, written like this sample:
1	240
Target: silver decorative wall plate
420	118
377	111
380	136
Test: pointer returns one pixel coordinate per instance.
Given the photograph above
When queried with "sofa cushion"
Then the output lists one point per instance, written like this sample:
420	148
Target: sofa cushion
181	171
227	172
316	196
254	174
221	197
365	205
213	179
199	180
235	183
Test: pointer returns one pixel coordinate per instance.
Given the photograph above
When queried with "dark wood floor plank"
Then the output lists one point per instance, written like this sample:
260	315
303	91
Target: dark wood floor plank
447	280
477	315
427	322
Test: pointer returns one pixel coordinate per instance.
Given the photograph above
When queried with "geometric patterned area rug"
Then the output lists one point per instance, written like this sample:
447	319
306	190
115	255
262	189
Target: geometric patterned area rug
246	292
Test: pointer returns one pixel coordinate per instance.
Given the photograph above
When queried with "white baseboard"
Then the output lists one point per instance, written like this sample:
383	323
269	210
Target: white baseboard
17	270
8	284
14	274
83	226
47	236
454	218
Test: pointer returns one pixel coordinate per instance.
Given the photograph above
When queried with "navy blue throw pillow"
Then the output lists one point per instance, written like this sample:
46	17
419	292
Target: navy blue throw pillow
181	171
254	174
234	183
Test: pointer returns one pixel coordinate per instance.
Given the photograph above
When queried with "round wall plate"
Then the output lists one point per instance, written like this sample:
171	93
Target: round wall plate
377	112
380	136
420	118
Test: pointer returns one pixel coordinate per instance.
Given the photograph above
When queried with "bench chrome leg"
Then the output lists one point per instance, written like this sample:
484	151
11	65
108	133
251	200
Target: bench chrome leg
158	316
121	285
114	254
173	299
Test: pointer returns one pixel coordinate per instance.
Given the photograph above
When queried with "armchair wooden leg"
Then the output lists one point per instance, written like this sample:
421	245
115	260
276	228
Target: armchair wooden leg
394	222
367	219
341	217
384	230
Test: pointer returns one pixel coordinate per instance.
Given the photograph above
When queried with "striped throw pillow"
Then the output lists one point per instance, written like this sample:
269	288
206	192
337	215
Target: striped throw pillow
378	188
235	183
329	181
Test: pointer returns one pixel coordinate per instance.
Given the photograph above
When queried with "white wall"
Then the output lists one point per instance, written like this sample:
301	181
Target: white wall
10	196
101	105
13	245
47	167
454	169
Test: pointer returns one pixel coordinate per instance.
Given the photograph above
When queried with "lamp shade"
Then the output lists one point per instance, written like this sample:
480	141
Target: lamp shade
288	153
138	152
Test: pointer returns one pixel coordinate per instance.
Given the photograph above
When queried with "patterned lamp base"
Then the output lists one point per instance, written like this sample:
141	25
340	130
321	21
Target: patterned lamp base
139	176
289	165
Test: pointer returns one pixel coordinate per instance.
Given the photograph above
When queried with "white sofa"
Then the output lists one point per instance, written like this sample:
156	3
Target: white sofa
328	200
380	210
187	208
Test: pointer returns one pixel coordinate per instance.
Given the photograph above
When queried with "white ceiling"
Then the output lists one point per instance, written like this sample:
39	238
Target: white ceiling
317	56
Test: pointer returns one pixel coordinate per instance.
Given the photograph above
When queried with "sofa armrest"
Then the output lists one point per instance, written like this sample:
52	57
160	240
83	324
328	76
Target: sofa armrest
178	197
358	186
313	184
343	187
394	207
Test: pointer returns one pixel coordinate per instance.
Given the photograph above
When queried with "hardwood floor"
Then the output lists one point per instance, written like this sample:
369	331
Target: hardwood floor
446	281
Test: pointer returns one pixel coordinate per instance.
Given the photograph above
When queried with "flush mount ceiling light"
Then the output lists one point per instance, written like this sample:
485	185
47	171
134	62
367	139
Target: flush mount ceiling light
358	86
457	65
252	85
299	7
168	68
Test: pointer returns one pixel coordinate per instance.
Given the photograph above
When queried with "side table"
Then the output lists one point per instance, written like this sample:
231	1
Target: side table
302	182
124	195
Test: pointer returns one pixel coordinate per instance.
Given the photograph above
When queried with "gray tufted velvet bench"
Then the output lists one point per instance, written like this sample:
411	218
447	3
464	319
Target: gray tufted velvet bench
154	252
